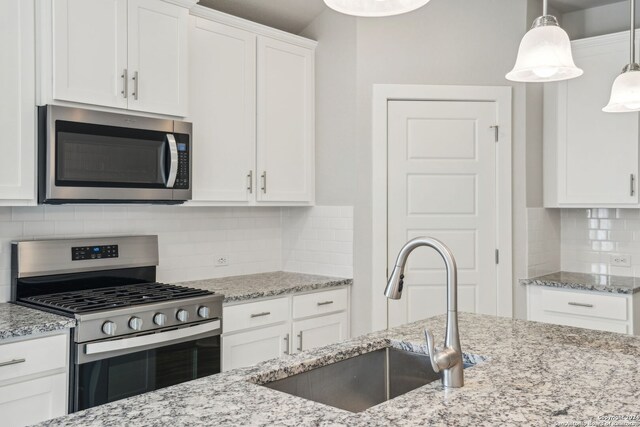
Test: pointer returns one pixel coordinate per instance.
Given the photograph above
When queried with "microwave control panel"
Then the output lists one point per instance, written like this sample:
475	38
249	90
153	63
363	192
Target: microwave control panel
182	178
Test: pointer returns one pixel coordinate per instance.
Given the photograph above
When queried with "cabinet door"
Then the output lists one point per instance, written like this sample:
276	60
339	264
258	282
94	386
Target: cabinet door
90	51
319	331
158	55
33	401
597	151
285	122
254	346
222	99
17	104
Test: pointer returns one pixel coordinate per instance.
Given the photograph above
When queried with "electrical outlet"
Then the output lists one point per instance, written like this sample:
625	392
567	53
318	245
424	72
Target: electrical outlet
222	261
620	260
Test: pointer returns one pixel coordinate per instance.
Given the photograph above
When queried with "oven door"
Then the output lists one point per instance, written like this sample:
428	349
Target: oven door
99	156
110	370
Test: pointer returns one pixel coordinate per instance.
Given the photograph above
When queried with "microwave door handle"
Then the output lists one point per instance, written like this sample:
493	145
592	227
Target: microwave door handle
173	167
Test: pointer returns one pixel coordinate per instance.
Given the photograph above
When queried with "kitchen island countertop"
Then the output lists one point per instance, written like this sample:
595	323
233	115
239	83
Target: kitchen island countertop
527	373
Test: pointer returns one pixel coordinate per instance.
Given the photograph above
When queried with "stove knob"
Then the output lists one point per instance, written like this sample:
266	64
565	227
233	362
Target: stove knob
203	312
160	319
182	315
109	328
135	323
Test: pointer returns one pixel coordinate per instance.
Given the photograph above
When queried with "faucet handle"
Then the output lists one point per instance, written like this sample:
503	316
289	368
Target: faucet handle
431	349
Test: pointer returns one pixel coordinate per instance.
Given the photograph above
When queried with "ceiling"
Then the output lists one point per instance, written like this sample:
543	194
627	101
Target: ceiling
294	15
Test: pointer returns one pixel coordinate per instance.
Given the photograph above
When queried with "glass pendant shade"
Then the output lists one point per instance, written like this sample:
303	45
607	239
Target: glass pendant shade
375	8
625	93
544	54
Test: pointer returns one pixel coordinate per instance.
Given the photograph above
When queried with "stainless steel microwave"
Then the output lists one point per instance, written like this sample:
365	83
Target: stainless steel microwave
88	156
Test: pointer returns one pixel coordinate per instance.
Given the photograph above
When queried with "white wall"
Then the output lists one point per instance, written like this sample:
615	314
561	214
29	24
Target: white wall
446	42
190	238
596	21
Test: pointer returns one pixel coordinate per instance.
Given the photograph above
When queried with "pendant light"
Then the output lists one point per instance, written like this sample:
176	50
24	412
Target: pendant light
625	93
375	8
545	53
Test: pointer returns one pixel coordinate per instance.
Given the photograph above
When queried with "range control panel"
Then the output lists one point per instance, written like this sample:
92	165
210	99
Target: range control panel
80	253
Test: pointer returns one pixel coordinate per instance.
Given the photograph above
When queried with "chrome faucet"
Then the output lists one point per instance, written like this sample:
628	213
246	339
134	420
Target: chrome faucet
449	359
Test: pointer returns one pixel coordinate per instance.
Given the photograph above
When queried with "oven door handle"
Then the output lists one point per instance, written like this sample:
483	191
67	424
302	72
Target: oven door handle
164	338
173	165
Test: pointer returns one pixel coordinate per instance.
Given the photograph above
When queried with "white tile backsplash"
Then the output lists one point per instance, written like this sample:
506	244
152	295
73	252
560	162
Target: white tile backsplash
543	228
191	238
318	240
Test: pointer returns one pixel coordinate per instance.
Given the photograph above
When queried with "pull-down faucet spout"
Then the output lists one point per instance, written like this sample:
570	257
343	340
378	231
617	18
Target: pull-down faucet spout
449	359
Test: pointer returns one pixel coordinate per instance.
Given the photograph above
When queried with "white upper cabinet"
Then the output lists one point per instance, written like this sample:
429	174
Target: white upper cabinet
158	57
223	109
251	101
590	157
17	104
285	121
116	53
90	51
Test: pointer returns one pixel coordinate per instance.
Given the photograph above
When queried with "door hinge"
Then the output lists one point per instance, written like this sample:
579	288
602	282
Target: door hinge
497	256
496	130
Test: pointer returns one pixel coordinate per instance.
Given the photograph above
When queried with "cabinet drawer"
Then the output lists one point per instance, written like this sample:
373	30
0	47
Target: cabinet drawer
585	304
22	358
255	314
320	303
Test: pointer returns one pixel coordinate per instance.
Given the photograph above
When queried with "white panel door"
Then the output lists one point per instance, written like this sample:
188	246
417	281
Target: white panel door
33	401
319	331
285	122
90	51
17	104
597	151
222	98
442	184
158	57
251	347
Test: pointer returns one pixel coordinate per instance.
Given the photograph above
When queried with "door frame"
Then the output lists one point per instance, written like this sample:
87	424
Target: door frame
382	94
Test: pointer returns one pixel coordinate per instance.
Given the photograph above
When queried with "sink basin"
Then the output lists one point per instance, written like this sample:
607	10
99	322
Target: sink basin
363	381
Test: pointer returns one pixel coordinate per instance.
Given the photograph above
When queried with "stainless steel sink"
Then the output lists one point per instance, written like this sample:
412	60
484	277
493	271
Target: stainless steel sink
363	381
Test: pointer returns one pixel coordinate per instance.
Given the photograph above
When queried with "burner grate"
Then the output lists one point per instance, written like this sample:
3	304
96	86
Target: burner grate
114	297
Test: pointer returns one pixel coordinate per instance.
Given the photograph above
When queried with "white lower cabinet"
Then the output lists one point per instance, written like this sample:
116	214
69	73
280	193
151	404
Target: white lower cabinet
585	309
268	328
33	380
319	331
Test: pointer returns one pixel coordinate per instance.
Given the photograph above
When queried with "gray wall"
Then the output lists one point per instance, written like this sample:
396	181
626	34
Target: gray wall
456	42
596	21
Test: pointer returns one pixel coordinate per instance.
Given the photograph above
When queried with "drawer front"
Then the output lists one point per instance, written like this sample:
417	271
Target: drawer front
28	357
33	401
582	322
585	304
320	303
254	314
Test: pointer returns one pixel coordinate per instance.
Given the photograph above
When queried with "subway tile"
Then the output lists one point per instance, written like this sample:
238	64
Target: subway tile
27	213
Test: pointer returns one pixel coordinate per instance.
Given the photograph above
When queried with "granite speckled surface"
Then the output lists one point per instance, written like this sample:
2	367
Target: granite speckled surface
588	282
252	286
19	321
530	374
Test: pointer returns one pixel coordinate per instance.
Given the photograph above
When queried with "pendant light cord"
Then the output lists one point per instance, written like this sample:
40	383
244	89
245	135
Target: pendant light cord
633	31
544	7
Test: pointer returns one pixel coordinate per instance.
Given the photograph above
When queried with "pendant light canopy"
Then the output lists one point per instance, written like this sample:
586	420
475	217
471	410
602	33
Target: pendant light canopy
625	93
375	8
545	53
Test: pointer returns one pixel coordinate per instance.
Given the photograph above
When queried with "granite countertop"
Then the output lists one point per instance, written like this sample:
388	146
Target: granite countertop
589	282
529	374
19	321
253	286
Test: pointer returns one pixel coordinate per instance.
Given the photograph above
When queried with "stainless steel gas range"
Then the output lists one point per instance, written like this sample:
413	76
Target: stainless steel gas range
133	334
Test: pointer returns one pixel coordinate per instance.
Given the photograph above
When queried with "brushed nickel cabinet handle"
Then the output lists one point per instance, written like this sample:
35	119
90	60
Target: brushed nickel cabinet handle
579	304
250	179
264	313
300	341
264	181
325	303
12	362
125	83
632	181
136	83
286	347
